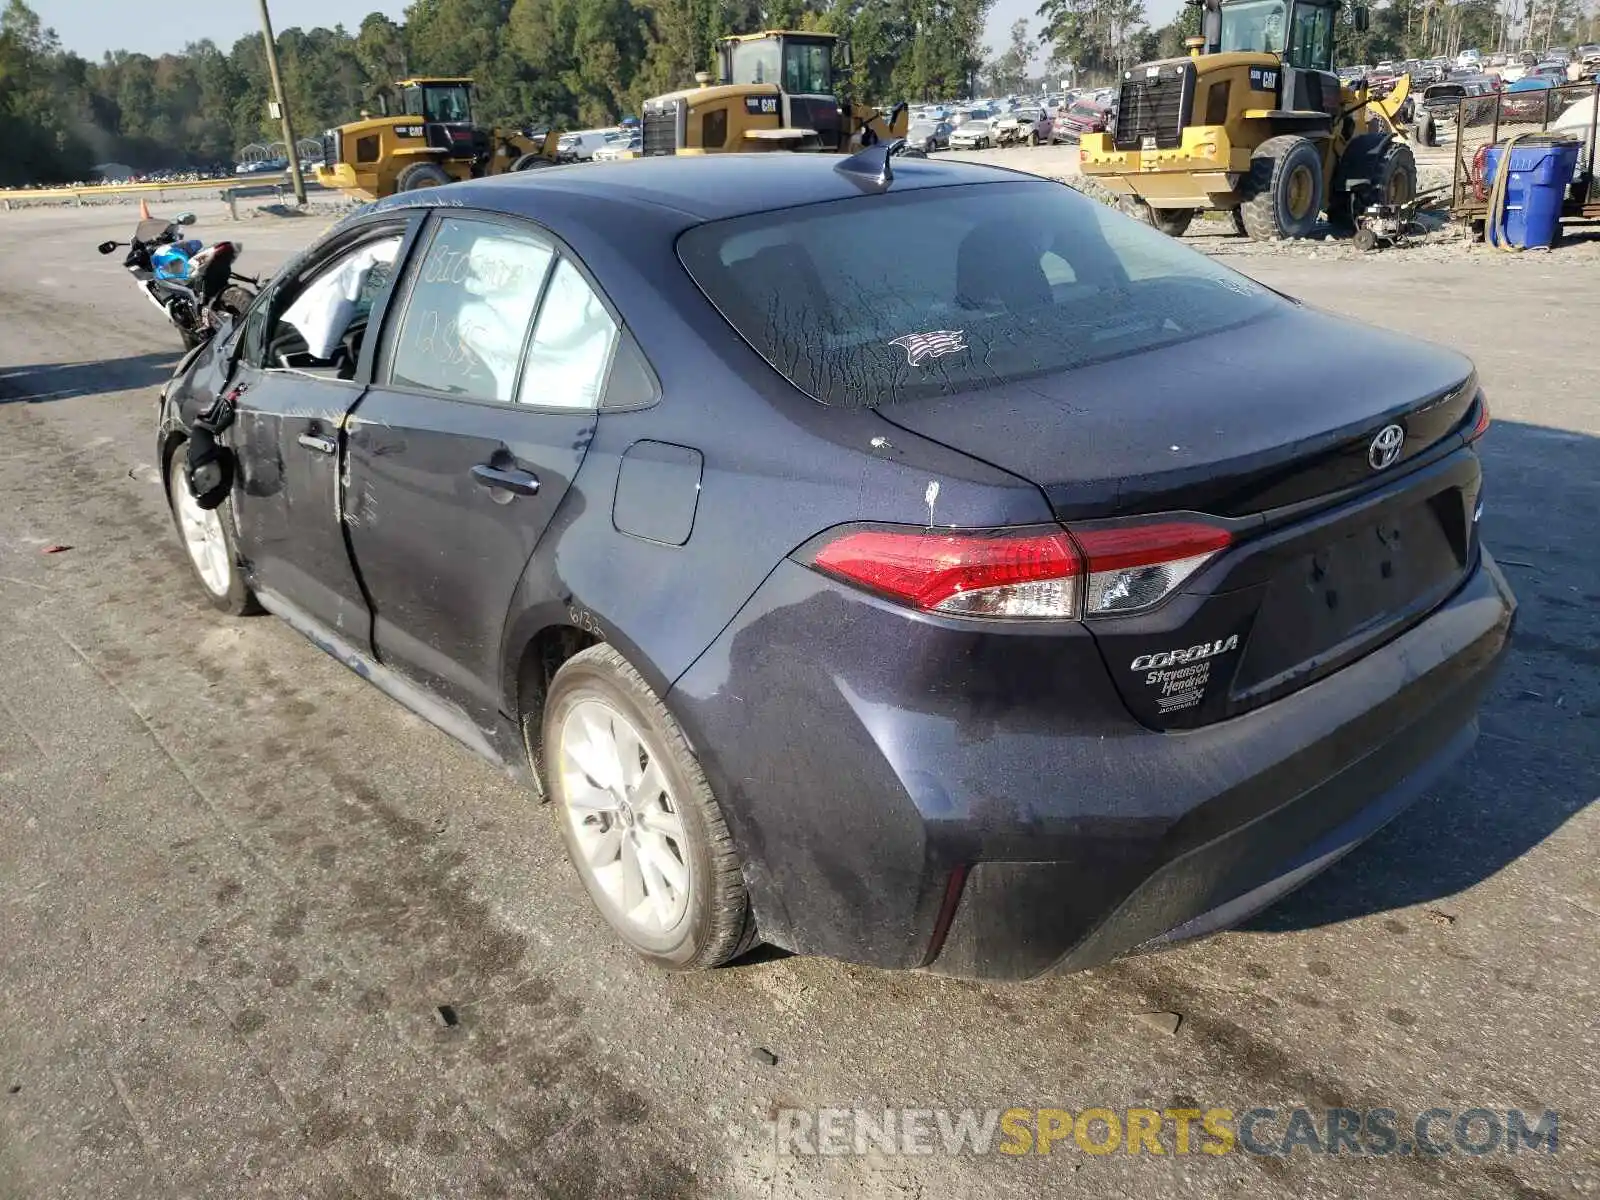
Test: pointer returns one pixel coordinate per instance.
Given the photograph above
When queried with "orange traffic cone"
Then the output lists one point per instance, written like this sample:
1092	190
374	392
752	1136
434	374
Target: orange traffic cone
144	210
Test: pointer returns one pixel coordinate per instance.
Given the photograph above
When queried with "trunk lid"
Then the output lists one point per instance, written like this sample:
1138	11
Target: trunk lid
1279	410
1275	428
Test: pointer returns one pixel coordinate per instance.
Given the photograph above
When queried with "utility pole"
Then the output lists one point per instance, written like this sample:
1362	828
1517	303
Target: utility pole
282	105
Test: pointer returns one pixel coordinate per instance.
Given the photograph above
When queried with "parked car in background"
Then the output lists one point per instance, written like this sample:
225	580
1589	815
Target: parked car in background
1024	125
975	134
580	144
1085	115
1469	100
821	551
929	135
1556	72
627	144
1528	99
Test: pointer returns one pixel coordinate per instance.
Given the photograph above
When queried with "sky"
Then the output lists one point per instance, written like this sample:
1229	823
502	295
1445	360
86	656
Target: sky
91	27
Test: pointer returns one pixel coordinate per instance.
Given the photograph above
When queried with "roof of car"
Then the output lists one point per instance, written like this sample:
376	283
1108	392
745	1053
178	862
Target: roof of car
715	186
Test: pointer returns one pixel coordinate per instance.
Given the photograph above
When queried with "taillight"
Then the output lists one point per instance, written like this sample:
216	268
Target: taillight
1034	573
1135	566
1027	573
1481	425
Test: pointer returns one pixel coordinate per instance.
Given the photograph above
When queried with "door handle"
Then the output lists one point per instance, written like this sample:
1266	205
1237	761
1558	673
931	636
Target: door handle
506	479
322	445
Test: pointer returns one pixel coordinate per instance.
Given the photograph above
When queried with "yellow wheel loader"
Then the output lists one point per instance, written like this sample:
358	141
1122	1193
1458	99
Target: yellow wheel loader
1255	122
776	92
432	140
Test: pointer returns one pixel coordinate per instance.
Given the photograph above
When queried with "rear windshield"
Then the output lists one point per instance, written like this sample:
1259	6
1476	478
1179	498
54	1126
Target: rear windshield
938	291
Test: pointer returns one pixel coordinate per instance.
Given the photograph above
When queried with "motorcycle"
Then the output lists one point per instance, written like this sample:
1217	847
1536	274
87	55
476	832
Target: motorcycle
194	285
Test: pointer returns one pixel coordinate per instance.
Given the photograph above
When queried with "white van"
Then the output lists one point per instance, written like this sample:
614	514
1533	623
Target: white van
580	144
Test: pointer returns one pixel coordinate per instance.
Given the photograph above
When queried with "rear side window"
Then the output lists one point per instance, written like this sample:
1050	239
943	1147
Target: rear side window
572	345
472	299
945	290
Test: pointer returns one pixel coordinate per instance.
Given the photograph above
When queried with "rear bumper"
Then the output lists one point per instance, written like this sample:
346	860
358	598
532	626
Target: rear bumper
907	792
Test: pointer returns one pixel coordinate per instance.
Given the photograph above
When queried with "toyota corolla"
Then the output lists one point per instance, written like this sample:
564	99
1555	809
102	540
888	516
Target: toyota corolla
1047	593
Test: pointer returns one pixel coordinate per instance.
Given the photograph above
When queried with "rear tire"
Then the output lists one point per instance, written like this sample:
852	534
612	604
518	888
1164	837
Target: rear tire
686	907
1427	131
1283	194
420	175
233	301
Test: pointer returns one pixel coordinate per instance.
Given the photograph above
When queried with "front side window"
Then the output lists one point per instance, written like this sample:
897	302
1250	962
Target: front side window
755	62
808	69
450	104
1256	26
1311	38
411	102
1008	281
322	330
572	345
471	301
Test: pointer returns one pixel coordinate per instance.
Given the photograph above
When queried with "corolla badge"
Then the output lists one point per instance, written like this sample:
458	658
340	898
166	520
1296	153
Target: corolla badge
934	344
1385	447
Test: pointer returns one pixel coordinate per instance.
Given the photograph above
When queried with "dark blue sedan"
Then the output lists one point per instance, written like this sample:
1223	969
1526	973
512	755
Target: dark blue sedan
914	563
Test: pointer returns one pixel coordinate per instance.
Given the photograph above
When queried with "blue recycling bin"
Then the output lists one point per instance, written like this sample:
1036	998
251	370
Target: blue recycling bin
1541	171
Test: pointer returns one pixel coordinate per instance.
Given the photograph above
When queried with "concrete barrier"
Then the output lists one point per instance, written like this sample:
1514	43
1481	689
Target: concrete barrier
259	185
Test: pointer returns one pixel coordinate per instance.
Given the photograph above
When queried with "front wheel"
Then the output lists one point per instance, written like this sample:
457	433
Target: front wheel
1283	194
420	175
529	162
208	542
1171	221
640	822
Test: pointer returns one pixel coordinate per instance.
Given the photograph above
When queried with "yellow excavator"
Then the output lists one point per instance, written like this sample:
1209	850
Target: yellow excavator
1254	121
776	91
431	140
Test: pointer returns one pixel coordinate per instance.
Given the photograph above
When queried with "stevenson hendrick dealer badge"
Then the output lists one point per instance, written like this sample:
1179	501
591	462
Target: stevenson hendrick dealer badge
920	347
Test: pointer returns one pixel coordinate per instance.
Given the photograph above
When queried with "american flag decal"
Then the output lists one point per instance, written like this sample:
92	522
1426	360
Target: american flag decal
934	344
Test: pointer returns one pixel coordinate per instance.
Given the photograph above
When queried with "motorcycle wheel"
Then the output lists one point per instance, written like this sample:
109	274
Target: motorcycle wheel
233	301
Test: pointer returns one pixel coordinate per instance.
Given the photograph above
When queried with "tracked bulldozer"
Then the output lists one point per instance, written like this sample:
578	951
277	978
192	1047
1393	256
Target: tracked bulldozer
1254	121
776	91
431	140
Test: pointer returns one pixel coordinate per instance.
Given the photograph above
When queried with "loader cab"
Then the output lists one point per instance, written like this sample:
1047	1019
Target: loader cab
1300	33
801	65
444	108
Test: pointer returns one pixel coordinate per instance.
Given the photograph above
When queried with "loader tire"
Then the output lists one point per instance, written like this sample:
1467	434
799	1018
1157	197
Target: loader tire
1390	169
1283	194
1427	131
420	175
1170	221
1236	217
529	162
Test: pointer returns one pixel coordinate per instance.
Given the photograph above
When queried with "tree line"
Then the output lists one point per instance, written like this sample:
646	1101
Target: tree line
568	63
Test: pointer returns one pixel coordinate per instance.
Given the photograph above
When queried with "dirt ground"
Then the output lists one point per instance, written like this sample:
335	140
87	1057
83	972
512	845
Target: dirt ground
237	884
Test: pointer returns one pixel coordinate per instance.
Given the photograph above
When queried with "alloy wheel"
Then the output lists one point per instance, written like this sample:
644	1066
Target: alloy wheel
624	817
203	538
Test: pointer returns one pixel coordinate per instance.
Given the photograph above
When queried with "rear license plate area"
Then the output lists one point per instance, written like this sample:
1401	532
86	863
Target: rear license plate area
1341	596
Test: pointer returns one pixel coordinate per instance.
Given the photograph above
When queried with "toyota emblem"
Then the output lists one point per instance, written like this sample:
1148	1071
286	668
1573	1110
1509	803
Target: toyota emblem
1385	448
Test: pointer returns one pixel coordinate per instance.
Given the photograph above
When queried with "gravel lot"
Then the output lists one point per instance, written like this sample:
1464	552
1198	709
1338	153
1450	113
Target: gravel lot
237	883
